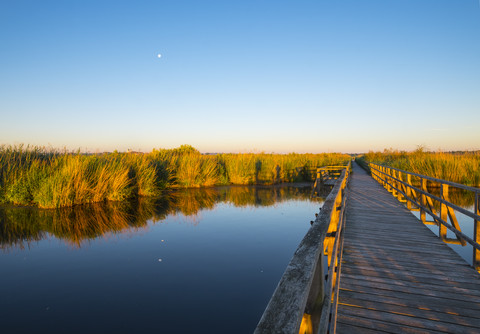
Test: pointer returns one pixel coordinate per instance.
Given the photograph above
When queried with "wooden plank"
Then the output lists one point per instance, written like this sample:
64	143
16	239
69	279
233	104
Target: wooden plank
398	232
418	267
404	260
427	300
401	232
369	244
388	237
357	324
414	312
351	253
423	290
400	252
394	283
392	234
381	246
353	329
376	271
393	255
405	320
440	305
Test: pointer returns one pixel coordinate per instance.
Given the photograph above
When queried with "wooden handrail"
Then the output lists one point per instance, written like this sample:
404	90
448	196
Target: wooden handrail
302	299
426	193
433	179
328	319
423	200
327	173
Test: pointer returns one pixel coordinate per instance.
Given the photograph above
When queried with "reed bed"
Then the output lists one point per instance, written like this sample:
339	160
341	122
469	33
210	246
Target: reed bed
462	167
49	178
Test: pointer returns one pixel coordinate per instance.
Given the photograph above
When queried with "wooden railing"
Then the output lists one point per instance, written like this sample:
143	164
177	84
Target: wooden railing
304	300
413	189
326	175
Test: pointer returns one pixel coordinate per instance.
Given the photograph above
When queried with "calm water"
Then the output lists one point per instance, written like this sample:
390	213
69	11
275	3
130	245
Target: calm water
198	261
465	200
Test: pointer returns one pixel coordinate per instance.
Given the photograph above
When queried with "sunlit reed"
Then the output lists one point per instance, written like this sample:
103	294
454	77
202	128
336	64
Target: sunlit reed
457	167
49	178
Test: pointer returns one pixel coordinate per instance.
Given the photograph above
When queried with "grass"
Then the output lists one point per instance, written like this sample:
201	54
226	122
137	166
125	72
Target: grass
461	168
49	178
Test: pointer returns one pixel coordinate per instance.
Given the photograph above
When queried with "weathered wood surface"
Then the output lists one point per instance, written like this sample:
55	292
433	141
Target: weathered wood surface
397	276
329	182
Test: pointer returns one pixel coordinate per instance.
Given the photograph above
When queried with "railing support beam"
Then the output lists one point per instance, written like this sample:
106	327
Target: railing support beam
423	201
442	229
476	234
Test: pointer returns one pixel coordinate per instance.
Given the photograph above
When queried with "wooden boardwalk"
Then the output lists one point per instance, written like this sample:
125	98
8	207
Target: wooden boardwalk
396	275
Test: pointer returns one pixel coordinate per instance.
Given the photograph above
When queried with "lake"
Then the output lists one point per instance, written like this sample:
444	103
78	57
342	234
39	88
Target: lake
197	260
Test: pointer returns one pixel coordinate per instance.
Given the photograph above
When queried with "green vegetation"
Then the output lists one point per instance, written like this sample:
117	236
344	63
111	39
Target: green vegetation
462	167
48	178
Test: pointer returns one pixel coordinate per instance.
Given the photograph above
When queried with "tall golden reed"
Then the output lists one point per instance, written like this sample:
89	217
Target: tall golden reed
460	167
49	178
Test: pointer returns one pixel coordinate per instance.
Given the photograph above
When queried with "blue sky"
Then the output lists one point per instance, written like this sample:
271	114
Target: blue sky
241	76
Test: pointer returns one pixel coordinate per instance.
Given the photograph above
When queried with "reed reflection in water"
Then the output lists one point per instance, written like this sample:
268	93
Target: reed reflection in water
19	227
198	260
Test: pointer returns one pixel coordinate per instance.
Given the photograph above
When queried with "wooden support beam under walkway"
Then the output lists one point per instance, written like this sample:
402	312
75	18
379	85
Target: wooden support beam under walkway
396	275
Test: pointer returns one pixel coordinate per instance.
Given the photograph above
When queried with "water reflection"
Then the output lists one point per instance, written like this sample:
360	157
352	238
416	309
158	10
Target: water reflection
460	197
464	199
20	227
143	267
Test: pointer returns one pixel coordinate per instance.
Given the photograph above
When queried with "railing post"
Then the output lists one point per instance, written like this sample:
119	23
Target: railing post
476	234
442	232
332	229
394	183
423	201
381	175
316	185
385	176
387	179
409	191
401	187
